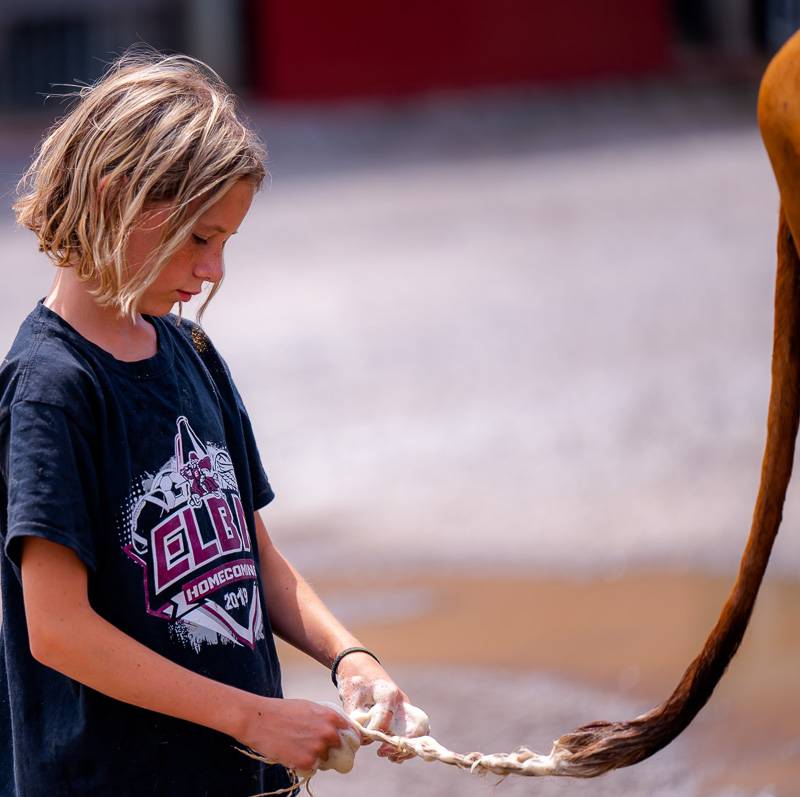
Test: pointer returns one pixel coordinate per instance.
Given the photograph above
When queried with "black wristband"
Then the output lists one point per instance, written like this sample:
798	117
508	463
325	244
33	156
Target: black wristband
346	652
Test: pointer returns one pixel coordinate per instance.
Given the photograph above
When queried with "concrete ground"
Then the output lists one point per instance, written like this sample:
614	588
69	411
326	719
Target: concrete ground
516	333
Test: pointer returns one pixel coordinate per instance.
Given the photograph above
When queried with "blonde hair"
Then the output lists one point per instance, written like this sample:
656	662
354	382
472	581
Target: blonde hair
158	128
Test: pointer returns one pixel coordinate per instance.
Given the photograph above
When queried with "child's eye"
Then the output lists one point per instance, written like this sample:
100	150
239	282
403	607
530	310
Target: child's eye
199	240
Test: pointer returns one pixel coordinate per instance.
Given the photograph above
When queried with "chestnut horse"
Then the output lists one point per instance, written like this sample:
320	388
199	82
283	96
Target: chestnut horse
602	746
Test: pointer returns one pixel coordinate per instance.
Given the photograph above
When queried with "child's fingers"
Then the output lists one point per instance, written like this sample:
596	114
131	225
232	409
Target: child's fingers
381	717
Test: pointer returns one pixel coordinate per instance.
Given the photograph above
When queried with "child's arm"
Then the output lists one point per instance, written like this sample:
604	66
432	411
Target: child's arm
65	633
299	616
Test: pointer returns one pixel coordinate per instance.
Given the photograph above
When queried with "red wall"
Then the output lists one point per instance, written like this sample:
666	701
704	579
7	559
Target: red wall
317	49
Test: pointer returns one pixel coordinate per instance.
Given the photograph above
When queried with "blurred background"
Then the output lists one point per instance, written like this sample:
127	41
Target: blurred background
502	319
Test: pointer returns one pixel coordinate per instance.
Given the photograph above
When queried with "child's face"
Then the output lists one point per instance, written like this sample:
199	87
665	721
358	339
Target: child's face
198	260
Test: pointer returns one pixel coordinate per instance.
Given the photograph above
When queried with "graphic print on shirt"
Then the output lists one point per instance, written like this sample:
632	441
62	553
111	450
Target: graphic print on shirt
185	526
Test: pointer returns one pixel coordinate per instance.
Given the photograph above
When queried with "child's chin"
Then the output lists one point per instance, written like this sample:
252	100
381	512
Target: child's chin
158	308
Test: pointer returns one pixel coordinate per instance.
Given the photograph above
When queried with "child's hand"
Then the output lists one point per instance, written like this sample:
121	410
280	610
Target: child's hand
295	733
365	686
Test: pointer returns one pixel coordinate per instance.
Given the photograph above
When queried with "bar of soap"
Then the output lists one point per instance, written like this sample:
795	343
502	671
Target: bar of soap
340	758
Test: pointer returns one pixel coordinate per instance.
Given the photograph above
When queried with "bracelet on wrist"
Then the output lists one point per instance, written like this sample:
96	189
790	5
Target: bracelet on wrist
346	652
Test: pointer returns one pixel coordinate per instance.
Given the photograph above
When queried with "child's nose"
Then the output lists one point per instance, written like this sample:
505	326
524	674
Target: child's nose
211	269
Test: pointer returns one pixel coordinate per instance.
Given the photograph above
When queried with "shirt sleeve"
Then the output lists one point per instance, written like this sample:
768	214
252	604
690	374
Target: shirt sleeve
221	375
51	477
262	490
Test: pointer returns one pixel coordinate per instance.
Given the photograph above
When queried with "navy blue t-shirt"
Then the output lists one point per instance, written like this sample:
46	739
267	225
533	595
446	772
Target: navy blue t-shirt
149	471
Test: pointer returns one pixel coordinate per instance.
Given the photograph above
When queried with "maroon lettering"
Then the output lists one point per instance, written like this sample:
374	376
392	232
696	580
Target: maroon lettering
227	535
170	564
242	523
201	553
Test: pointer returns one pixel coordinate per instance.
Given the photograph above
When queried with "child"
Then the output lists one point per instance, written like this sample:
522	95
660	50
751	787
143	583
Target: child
140	588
